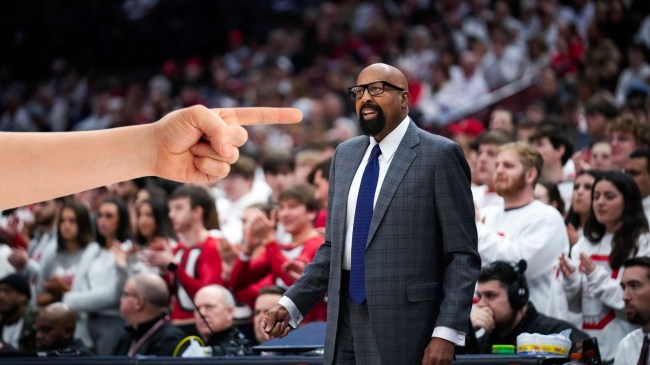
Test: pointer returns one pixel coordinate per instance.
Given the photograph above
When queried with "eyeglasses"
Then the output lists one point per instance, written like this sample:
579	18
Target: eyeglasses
374	89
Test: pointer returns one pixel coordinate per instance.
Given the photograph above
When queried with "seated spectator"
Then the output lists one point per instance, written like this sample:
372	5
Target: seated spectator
266	299
617	229
525	129
43	243
548	193
16	319
504	311
556	150
153	228
600	109
240	190
503	119
99	278
580	208
319	178
55	328
215	307
637	71
601	156
144	305
58	270
483	174
523	228
195	262
636	295
627	134
296	212
259	221
279	173
305	161
638	167
152	222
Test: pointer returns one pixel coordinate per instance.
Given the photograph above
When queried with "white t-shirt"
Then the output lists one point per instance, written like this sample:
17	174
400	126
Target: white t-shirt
629	349
11	333
535	233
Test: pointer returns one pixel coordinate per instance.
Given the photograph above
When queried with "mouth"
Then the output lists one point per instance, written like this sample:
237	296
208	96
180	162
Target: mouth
369	112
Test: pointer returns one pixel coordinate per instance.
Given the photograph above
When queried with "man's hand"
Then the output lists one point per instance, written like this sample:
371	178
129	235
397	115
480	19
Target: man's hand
275	322
198	144
18	258
439	352
159	259
482	317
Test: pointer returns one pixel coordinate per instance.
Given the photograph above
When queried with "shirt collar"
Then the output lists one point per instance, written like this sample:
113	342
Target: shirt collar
390	143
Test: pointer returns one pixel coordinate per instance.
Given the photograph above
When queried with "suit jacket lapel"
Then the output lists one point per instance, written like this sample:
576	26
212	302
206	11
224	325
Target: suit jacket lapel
345	174
402	160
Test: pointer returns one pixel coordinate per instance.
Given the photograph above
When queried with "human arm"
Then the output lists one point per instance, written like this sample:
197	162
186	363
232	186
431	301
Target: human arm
247	271
454	211
571	282
194	144
539	241
600	282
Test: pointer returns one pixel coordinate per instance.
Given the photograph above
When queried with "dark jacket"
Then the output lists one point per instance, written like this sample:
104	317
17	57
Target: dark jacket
230	342
532	322
160	342
73	347
27	340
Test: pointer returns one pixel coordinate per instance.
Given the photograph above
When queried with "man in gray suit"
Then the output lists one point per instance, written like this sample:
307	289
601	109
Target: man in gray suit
406	298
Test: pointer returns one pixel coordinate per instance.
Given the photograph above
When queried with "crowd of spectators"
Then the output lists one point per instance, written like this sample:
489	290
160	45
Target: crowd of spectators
585	111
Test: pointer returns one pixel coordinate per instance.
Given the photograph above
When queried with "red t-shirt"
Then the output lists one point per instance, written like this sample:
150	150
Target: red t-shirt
198	266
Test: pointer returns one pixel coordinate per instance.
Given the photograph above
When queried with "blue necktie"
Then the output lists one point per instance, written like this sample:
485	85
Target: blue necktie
362	219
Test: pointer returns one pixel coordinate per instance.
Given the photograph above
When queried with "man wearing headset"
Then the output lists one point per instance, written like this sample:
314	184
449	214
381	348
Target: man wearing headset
503	310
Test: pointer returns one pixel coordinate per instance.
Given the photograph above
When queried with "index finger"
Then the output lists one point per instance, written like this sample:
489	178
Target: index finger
259	115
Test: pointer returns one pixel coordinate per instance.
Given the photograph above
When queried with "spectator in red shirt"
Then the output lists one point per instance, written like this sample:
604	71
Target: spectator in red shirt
296	212
195	262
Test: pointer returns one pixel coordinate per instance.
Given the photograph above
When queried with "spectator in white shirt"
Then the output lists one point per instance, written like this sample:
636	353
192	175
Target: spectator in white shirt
523	228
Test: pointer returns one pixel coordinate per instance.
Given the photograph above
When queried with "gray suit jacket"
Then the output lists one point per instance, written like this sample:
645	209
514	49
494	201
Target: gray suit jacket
421	257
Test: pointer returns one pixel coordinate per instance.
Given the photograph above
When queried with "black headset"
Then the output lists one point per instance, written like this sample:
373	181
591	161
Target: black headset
517	290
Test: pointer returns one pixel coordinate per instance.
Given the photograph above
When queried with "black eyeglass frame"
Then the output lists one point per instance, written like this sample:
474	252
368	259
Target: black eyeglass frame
356	96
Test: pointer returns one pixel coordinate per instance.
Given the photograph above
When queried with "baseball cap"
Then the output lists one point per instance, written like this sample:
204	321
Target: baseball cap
18	283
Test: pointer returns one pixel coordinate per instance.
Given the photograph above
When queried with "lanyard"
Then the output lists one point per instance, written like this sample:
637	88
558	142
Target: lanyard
133	349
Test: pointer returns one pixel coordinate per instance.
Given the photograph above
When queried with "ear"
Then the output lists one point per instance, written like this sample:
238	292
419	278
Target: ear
531	175
405	99
312	215
560	151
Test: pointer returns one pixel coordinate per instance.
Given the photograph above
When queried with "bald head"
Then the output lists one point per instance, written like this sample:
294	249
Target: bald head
60	312
55	326
214	311
152	287
216	291
387	73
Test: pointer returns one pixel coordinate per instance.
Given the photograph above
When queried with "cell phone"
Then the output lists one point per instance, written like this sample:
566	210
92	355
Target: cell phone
591	352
